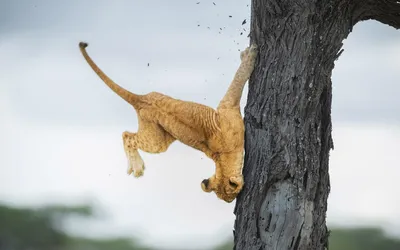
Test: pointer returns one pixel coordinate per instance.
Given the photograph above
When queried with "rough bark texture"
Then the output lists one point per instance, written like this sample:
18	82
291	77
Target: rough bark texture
288	118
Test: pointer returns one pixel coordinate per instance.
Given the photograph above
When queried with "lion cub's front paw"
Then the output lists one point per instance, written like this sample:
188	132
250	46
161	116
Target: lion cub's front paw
253	51
249	54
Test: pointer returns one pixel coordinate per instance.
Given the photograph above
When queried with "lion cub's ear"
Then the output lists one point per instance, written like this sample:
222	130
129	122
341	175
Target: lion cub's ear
236	182
205	185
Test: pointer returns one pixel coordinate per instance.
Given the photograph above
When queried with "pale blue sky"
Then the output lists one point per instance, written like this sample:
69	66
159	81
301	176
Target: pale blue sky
60	130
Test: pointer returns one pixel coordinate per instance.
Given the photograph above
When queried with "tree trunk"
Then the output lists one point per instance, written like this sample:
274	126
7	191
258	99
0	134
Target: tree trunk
288	118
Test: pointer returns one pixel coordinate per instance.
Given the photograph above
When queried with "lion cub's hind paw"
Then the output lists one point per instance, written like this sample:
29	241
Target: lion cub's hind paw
135	166
138	173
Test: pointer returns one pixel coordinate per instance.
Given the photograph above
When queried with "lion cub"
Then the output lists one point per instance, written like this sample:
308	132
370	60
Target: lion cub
219	133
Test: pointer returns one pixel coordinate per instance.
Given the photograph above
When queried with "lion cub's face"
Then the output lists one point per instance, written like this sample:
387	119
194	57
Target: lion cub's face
226	188
228	181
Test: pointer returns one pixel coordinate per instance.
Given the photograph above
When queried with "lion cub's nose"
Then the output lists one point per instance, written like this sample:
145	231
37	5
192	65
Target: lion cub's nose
205	182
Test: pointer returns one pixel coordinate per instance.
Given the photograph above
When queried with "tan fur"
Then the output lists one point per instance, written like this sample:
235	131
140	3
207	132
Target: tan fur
218	133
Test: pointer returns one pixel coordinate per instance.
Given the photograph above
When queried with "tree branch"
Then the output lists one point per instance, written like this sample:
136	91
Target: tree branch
384	11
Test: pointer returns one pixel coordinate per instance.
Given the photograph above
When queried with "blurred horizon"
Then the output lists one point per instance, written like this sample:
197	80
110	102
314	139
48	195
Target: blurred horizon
61	127
45	227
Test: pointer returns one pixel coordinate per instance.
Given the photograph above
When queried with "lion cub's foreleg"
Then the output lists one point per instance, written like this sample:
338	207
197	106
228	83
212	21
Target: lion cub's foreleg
150	138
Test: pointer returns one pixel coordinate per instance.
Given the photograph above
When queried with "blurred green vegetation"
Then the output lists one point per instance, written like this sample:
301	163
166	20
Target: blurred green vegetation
362	238
351	239
41	228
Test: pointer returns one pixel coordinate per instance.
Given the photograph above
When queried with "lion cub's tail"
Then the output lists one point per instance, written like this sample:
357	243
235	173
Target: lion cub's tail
131	98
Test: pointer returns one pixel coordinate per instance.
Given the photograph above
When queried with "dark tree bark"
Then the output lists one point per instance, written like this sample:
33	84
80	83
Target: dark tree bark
288	118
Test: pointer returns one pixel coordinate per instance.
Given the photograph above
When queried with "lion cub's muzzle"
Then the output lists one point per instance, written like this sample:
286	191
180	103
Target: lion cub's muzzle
226	189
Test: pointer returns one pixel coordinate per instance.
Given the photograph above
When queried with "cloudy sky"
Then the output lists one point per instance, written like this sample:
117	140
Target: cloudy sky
60	129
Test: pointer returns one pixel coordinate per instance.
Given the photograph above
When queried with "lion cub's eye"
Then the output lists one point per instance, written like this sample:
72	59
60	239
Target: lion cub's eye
234	185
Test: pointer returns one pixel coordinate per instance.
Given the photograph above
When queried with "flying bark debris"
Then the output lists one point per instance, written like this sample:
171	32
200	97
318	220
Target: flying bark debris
244	22
241	33
230	16
148	64
198	3
214	3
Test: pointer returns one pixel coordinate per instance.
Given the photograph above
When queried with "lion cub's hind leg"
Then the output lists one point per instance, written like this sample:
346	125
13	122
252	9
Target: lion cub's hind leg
150	138
135	161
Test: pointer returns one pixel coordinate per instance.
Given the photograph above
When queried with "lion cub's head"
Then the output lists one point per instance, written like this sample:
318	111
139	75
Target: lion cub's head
227	182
